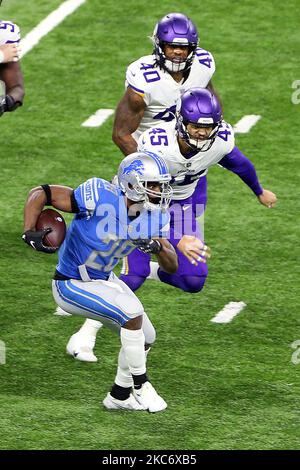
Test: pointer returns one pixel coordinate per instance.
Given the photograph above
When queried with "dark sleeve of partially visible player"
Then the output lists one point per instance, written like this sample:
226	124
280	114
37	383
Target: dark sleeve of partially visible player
12	76
239	164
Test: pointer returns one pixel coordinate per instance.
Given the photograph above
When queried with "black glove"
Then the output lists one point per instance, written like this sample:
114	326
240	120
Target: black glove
7	104
148	246
35	240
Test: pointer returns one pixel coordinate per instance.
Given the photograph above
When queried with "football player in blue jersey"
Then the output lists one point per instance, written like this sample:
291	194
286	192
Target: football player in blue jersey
110	222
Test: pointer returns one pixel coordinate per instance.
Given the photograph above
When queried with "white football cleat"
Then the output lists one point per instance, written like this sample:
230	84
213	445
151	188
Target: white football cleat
149	398
81	347
130	403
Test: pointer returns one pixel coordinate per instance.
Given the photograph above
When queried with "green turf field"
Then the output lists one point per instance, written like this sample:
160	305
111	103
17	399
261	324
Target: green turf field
227	386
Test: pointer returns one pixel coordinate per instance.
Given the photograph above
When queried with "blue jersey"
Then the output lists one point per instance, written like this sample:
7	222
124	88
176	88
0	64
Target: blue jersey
102	232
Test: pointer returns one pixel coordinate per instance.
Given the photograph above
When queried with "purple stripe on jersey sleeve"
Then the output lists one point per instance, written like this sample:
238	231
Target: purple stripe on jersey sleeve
239	164
136	89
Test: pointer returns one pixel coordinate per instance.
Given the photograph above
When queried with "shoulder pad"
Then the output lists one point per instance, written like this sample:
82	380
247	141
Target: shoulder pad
205	58
142	73
226	134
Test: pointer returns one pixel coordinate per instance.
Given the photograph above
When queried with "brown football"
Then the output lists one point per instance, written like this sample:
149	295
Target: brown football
50	218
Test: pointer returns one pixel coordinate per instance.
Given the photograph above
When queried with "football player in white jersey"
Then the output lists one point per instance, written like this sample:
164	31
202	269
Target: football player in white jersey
200	139
154	83
10	70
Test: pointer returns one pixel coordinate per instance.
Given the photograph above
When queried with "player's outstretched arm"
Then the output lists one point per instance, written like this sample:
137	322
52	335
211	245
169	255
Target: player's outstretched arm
267	198
239	164
129	113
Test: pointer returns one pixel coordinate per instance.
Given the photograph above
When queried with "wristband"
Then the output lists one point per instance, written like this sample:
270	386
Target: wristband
47	190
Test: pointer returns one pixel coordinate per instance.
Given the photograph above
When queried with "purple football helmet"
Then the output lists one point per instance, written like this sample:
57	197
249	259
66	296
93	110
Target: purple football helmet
174	28
201	108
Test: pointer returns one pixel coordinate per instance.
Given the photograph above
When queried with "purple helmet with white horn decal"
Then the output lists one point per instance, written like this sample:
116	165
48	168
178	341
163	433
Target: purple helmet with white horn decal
175	28
201	108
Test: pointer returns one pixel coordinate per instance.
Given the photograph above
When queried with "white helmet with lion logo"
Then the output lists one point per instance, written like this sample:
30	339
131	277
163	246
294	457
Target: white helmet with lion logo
135	173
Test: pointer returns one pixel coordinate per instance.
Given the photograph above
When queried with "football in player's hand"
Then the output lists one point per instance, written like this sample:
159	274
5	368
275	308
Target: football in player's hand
50	218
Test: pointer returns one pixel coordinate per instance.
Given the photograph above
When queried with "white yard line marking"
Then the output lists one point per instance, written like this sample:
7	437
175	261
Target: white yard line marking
97	119
229	312
244	125
49	23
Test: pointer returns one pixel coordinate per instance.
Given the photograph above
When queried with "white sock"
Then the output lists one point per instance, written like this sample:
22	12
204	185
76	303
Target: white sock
90	327
123	377
154	266
133	342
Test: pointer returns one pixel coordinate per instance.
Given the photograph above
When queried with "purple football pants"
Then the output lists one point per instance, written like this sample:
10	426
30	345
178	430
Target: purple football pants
189	278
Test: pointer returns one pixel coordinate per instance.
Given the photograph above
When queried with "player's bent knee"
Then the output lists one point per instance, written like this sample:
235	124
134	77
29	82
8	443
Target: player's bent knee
194	284
134	323
130	304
